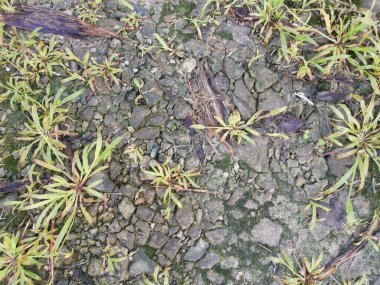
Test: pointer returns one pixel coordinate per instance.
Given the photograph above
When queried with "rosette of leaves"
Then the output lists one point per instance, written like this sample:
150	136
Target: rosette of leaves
18	255
70	188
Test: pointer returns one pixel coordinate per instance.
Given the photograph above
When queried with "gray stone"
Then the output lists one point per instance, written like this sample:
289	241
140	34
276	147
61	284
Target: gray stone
157	240
152	93
240	34
147	133
158	119
222	82
216	236
127	238
267	232
214	277
244	100
185	215
141	263
197	251
95	267
230	262
255	155
182	110
105	186
189	64
126	208
4	200
194	231
115	169
171	248
208	262
139	114
233	70
270	100
265	77
319	168
88	114
145	213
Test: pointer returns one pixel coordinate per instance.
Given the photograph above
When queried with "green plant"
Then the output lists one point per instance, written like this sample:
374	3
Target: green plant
299	273
314	206
158	274
357	135
131	22
110	259
134	152
18	255
18	91
236	128
361	281
30	57
88	10
163	46
44	128
92	70
70	188
173	179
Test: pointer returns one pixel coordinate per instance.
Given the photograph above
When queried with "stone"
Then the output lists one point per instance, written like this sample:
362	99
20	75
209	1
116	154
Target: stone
147	133
265	77
222	82
319	168
244	100
157	240
145	213
141	263
171	248
216	236
182	110
139	114
270	100
267	232
127	238
214	277
185	215
197	251
105	186
95	267
5	208
194	231
233	70
230	262
126	208
255	155
208	262
158	119
189	64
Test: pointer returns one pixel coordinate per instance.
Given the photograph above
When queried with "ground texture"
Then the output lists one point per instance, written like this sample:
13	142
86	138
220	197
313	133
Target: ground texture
258	207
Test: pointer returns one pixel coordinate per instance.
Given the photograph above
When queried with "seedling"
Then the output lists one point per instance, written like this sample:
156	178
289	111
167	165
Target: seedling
163	46
158	275
92	70
44	128
236	128
173	179
109	260
299	273
18	256
70	188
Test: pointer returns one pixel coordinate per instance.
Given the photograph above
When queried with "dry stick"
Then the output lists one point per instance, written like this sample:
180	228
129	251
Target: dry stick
349	253
52	21
51	259
208	104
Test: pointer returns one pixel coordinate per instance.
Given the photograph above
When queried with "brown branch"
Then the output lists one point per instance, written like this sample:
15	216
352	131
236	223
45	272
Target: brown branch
349	253
53	22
